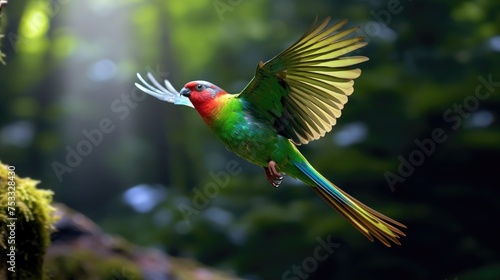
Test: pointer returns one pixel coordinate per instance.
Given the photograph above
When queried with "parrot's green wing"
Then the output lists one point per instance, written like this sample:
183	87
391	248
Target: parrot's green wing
302	91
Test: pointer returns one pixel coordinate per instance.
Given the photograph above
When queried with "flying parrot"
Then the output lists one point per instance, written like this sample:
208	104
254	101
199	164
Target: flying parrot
294	98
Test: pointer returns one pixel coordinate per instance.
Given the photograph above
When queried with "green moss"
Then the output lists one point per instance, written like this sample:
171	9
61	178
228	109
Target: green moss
86	264
25	219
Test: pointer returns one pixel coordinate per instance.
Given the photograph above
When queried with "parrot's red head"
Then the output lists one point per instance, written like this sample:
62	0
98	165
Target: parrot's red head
204	96
201	91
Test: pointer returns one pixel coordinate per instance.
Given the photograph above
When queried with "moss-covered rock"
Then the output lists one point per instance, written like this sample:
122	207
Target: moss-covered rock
80	249
83	264
25	223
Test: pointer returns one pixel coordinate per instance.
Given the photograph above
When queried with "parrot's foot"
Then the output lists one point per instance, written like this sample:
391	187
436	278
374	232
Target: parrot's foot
272	175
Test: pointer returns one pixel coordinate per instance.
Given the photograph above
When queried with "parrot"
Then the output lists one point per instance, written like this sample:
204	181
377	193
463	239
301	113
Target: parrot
294	98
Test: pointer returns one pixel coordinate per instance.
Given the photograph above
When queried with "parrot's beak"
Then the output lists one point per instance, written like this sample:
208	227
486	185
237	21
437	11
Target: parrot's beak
185	92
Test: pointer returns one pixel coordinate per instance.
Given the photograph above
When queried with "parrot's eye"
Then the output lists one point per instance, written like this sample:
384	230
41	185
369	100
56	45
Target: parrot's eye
199	87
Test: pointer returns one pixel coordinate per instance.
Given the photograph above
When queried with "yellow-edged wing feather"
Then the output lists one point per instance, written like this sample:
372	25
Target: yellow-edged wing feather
302	91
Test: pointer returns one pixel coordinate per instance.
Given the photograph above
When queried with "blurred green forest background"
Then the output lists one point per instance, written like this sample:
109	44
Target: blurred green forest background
433	73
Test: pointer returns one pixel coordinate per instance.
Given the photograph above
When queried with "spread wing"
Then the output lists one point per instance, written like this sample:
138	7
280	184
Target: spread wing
302	91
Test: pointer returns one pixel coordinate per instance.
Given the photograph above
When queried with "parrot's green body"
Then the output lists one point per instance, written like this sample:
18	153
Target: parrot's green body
293	99
250	138
255	140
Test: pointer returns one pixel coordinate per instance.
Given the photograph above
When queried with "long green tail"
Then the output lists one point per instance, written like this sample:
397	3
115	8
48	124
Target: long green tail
366	220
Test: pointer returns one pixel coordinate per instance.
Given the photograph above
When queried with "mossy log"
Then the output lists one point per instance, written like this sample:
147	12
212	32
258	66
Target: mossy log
25	223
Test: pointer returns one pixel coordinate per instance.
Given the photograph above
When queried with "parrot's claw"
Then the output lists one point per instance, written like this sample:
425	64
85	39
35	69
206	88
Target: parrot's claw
273	176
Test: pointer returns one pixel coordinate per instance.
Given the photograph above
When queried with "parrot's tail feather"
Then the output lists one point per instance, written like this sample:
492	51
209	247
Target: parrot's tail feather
368	221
